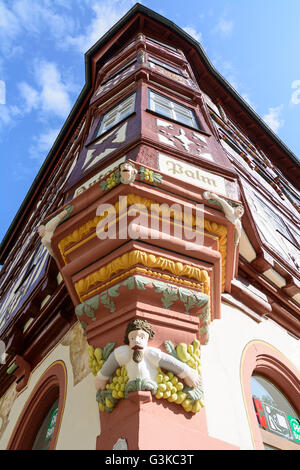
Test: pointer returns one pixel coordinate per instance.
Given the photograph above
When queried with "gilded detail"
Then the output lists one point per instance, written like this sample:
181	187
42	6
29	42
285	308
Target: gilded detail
128	260
88	230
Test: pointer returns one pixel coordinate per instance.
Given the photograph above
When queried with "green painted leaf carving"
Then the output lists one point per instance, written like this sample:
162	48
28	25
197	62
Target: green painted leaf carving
83	324
129	283
159	286
79	310
107	350
194	393
190	303
89	311
169	296
93	303
157	178
170	348
107	302
103	185
117	176
140	384
113	291
141	282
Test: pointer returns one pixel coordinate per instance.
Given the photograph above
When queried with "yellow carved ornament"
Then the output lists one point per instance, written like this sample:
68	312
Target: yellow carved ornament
128	260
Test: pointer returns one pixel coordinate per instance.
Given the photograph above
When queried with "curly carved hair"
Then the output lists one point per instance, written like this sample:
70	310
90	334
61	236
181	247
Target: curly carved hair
138	325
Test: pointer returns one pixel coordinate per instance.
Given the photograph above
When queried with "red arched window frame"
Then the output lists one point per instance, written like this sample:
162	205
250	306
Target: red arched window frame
263	359
51	385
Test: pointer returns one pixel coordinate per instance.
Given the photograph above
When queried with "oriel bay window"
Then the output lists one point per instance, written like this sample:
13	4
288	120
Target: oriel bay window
116	114
171	109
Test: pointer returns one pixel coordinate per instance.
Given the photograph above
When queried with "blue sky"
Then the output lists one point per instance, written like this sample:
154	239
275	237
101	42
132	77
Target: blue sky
254	44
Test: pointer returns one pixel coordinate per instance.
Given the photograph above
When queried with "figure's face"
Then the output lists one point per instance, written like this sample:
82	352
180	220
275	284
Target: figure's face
239	211
138	339
127	173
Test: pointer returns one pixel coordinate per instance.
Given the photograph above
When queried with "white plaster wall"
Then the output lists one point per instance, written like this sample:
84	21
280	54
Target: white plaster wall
221	361
80	421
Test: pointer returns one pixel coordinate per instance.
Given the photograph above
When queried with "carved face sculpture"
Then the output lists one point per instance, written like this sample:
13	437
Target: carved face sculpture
127	173
239	211
138	340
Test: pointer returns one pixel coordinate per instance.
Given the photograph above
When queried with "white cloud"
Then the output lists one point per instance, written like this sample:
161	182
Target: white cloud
106	14
30	17
273	118
29	95
2	92
295	98
8	116
223	27
52	93
42	144
192	32
248	100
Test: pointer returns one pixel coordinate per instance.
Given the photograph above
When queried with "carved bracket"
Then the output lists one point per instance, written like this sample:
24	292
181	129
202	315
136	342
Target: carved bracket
168	293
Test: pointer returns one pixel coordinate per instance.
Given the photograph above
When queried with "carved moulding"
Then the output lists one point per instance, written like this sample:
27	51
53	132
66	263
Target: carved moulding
87	231
189	300
89	285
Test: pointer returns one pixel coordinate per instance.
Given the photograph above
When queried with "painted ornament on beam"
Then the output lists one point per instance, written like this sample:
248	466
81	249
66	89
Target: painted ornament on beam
126	174
113	139
137	366
191	141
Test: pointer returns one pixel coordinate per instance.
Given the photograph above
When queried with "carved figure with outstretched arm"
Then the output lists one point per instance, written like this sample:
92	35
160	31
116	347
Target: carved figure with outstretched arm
141	360
46	230
232	213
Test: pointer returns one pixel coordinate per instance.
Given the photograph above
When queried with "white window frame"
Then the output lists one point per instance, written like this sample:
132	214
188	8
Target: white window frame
153	60
168	108
117	114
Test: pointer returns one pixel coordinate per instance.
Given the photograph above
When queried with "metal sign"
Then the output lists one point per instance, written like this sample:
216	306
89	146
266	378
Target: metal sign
277	421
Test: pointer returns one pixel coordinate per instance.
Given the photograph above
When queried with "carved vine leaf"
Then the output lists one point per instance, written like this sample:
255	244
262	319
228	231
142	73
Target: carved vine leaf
89	312
141	282
159	286
170	348
194	393
149	175
79	310
140	384
113	291
170	294
101	398
169	297
188	299
103	185
107	302
107	350
129	283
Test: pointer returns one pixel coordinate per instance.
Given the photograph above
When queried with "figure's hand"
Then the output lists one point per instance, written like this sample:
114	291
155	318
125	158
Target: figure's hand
41	230
192	379
100	383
